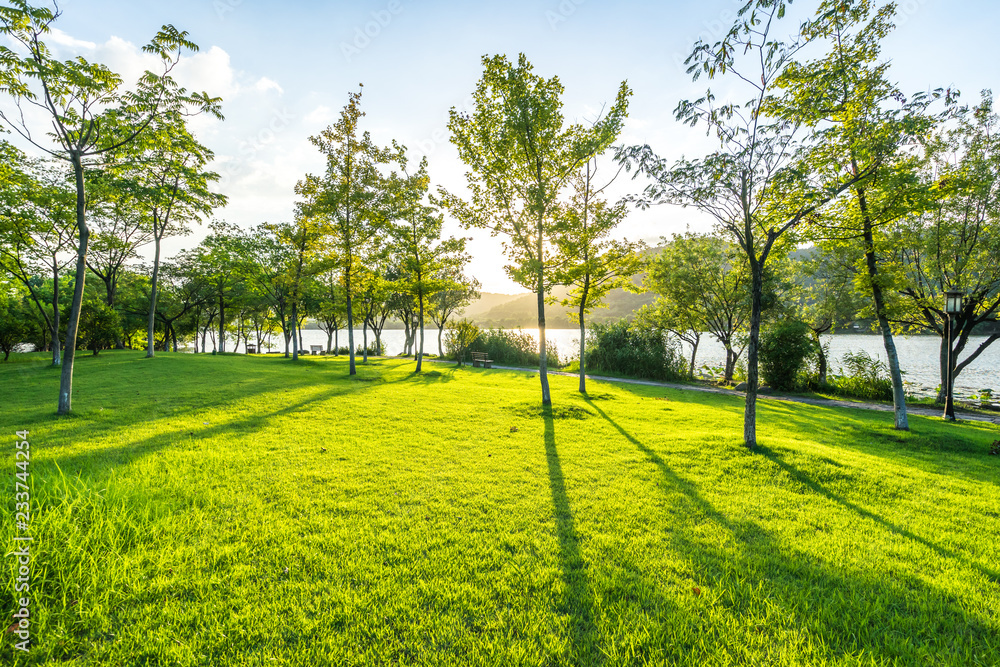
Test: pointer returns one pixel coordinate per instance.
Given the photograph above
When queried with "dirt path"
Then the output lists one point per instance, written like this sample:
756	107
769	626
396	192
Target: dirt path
825	402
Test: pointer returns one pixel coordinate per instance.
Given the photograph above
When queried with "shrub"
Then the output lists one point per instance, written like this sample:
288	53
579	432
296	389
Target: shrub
635	350
784	350
459	338
99	326
513	348
867	377
372	350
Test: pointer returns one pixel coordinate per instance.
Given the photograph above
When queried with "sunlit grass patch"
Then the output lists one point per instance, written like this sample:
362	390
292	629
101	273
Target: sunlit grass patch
224	510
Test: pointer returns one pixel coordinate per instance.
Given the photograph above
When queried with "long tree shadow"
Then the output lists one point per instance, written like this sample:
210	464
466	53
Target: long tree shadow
100	462
854	614
579	603
818	488
929	447
141	395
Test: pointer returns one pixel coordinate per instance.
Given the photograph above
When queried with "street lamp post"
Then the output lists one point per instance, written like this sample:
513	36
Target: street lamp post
952	306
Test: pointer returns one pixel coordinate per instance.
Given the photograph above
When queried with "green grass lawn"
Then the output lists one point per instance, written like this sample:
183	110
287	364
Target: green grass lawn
231	510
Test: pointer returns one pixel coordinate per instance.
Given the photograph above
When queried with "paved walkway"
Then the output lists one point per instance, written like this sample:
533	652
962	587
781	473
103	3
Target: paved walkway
825	402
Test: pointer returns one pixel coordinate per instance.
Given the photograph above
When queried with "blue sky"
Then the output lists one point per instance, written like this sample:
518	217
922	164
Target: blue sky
284	70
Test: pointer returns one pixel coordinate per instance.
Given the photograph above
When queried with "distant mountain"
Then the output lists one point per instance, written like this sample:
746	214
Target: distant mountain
522	311
487	301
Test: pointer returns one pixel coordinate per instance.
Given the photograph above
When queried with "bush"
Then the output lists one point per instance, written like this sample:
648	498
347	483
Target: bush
372	350
635	350
459	338
99	326
784	350
513	348
867	377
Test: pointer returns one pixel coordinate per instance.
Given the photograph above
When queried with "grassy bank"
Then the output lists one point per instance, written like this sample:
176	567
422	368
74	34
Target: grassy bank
230	510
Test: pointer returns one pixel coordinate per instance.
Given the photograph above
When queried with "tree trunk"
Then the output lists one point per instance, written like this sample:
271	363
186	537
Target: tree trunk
898	395
296	341
730	364
56	339
440	333
583	351
542	370
73	326
750	410
151	322
329	342
694	353
336	341
364	341
822	359
419	351
943	366
350	333
222	323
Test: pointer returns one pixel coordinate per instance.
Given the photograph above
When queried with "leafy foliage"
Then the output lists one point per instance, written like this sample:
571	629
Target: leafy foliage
512	348
865	377
784	350
624	348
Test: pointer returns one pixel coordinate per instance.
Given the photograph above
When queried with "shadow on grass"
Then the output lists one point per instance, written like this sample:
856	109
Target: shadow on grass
579	603
759	582
100	463
429	376
133	395
816	487
928	446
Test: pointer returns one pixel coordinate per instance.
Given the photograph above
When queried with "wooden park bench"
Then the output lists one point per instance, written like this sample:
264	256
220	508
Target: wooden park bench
479	360
251	349
315	349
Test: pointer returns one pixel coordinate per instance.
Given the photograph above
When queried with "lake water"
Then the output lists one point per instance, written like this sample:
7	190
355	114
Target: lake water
918	355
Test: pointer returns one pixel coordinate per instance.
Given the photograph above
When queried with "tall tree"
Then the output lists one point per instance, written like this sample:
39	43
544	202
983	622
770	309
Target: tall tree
302	238
955	243
593	263
331	308
170	177
349	197
444	304
703	283
864	125
38	235
423	255
89	115
119	231
521	155
759	185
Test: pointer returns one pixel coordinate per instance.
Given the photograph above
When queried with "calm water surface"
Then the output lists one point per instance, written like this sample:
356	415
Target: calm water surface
918	355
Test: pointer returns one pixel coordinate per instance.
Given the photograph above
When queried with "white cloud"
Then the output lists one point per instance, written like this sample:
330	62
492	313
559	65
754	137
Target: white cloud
321	115
265	84
62	39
